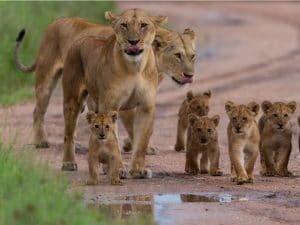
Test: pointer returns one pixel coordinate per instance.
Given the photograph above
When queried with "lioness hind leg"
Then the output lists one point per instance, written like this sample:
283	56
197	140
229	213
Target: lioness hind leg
46	80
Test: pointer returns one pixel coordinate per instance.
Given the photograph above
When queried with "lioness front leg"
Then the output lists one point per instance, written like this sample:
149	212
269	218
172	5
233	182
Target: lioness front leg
181	129
143	127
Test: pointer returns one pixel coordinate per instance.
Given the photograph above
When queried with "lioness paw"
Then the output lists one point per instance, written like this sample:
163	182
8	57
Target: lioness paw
141	173
216	173
69	166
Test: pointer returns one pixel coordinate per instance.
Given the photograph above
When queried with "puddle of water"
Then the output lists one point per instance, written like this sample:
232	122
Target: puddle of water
128	206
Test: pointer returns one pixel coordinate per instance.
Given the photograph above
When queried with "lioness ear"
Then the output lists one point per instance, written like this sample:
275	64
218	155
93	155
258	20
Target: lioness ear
216	120
190	96
90	116
254	108
266	106
192	119
229	105
159	42
158	20
190	32
110	16
207	93
114	116
292	105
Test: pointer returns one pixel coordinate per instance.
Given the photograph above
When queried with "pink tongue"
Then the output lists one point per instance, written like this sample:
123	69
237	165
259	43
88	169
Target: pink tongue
187	80
133	49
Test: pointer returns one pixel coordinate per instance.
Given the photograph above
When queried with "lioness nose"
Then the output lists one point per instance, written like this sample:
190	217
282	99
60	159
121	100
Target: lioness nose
133	42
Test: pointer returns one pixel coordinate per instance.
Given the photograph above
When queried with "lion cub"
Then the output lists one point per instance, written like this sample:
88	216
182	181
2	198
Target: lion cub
276	137
243	140
202	138
103	146
194	103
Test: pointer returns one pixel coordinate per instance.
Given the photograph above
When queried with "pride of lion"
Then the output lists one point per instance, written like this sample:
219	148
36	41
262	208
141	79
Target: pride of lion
119	68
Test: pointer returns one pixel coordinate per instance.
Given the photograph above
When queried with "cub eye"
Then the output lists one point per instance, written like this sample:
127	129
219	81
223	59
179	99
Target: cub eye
97	126
286	115
244	119
178	55
124	25
209	130
107	126
198	107
199	129
275	115
234	118
143	25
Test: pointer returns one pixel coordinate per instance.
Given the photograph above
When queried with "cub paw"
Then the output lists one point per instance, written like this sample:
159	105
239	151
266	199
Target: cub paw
69	166
285	173
203	171
42	144
91	181
116	181
192	171
216	173
268	173
241	180
141	173
179	148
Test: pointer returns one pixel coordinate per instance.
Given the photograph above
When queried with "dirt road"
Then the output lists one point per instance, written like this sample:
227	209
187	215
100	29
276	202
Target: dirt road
246	51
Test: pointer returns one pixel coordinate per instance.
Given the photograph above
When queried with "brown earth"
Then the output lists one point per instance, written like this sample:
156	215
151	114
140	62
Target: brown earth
246	51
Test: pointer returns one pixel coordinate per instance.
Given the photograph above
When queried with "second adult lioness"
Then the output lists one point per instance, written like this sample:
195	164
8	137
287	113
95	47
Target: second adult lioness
276	137
243	140
118	73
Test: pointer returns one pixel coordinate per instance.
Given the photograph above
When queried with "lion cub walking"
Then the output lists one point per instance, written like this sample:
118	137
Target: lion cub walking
194	103
202	138
103	147
243	140
276	137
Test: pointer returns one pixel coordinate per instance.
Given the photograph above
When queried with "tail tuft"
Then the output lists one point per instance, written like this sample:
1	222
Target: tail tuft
21	35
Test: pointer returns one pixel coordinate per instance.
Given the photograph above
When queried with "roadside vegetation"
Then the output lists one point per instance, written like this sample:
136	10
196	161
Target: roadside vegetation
16	86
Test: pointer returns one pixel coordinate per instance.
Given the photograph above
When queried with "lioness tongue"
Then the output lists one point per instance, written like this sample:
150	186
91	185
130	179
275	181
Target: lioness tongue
133	49
187	80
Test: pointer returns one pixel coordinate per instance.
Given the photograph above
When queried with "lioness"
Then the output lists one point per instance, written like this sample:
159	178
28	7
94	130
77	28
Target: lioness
194	103
103	147
128	81
202	138
175	56
276	137
243	140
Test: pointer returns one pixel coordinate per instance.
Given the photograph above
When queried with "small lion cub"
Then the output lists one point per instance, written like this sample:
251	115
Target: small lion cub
103	146
202	138
276	137
194	103
243	140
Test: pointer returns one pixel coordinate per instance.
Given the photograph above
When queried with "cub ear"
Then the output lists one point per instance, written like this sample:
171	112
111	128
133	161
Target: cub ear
254	108
114	116
216	120
158	20
266	106
189	96
229	106
188	31
192	119
207	93
292	106
110	16
90	116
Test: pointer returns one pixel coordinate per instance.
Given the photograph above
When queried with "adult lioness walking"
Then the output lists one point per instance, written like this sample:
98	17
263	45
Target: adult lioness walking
118	73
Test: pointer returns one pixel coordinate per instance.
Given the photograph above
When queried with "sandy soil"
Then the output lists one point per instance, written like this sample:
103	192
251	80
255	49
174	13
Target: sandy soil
246	51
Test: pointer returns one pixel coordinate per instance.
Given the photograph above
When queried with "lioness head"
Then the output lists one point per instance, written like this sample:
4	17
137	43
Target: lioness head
203	128
241	117
199	103
102	125
135	31
175	53
278	114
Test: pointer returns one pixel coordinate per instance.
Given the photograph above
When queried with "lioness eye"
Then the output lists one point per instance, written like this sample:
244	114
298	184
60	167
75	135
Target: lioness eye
209	130
97	126
124	25
178	55
275	115
107	126
143	25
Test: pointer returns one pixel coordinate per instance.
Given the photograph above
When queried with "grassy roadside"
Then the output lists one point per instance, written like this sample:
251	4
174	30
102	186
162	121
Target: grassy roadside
16	86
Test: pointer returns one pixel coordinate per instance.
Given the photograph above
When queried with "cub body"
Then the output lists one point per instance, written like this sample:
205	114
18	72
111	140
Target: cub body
103	146
202	138
276	137
197	104
243	140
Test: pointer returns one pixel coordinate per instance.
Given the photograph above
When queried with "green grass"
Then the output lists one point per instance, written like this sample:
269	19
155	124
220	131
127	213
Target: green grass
16	86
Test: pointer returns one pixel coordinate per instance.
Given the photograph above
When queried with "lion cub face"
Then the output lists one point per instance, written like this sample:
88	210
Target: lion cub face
241	116
278	114
199	103
102	126
135	30
176	55
204	129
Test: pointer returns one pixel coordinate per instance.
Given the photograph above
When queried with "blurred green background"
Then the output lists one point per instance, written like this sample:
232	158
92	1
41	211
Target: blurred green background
16	86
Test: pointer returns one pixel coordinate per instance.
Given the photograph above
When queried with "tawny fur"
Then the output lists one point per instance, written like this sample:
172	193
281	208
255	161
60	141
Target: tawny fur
243	140
202	138
194	103
276	137
103	147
